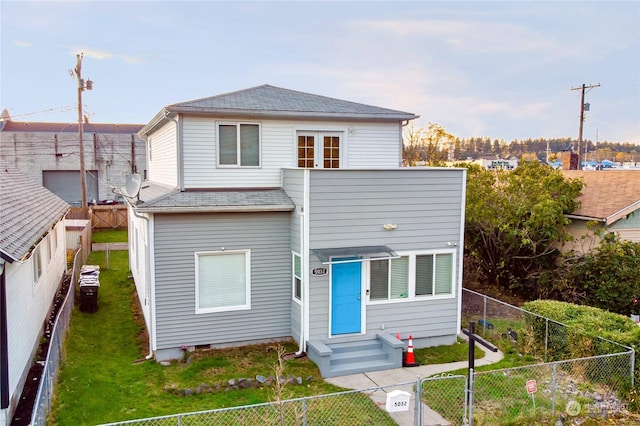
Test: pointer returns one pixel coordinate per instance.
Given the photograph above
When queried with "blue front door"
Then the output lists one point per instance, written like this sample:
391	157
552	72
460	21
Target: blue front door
346	297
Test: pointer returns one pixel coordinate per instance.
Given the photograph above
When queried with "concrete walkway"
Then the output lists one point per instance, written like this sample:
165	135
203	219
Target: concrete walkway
389	378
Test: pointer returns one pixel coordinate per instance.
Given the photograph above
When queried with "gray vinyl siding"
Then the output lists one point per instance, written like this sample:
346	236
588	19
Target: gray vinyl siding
179	236
349	208
293	184
295	321
425	204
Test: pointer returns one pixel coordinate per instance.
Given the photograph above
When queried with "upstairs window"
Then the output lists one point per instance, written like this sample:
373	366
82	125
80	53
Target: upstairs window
239	144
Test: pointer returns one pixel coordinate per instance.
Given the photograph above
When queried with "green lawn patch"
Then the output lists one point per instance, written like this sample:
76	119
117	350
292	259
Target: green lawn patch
104	378
110	236
459	351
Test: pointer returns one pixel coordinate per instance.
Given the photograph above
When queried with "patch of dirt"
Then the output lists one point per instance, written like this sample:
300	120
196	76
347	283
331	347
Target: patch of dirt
22	415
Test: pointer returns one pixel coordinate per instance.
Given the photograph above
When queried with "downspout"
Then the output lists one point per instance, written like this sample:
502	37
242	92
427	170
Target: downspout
4	349
303	293
461	247
305	257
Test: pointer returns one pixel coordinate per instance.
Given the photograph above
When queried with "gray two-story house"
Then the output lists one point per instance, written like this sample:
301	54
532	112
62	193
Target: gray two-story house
271	214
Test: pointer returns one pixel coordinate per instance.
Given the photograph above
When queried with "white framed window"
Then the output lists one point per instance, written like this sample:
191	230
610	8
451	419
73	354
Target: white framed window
53	240
434	274
238	144
389	279
223	281
412	276
297	276
37	264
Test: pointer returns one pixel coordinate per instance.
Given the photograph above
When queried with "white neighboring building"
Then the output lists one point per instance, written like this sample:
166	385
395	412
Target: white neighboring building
32	266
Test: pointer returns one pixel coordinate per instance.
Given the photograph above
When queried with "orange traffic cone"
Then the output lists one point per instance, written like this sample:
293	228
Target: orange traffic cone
410	360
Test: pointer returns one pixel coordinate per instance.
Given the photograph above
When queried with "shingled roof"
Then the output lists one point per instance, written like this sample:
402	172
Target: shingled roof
158	198
29	210
608	195
268	101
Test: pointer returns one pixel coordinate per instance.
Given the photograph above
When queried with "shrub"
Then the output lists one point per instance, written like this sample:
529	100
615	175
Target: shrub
583	325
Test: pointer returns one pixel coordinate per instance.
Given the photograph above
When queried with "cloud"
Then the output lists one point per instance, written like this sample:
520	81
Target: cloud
133	59
22	43
105	55
92	53
466	36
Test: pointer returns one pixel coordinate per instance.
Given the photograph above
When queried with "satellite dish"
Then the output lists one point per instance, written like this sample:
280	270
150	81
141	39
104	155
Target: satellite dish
132	185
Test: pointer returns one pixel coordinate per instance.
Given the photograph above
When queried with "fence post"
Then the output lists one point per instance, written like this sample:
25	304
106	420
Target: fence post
417	409
484	314
546	339
304	412
472	384
553	389
633	367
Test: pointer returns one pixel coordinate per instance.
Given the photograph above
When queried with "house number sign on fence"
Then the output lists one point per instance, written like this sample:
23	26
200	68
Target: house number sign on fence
398	400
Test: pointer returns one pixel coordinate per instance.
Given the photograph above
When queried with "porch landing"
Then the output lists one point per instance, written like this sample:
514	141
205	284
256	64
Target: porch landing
356	355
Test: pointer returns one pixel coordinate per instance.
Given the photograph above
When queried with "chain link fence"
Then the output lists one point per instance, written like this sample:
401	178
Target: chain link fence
536	394
357	407
529	333
557	382
42	403
573	373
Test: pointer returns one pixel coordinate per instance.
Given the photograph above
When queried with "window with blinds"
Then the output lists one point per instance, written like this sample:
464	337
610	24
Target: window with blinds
223	281
411	276
389	279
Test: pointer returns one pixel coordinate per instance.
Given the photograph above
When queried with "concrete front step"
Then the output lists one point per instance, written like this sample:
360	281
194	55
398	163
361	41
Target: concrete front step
339	359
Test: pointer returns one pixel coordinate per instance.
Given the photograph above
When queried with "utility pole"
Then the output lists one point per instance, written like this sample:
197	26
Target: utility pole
582	109
82	85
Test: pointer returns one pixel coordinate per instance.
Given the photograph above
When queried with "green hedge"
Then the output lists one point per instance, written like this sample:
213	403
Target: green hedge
583	325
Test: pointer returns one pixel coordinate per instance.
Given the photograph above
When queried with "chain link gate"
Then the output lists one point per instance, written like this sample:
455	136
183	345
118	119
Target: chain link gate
444	400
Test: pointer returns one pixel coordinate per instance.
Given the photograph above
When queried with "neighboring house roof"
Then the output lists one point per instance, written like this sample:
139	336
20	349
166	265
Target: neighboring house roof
29	210
608	195
19	126
157	198
268	101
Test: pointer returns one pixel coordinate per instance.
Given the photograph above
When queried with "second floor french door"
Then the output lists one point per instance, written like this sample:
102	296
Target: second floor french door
319	150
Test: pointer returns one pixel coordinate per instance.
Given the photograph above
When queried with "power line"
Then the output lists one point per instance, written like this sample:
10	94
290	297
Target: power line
45	111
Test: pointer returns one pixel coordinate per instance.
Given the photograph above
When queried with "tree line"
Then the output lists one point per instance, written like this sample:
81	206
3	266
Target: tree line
434	145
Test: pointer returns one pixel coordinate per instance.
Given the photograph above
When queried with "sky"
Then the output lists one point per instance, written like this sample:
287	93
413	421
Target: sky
503	70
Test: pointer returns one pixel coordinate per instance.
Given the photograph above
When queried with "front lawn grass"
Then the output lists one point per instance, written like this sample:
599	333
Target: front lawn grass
104	377
459	351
